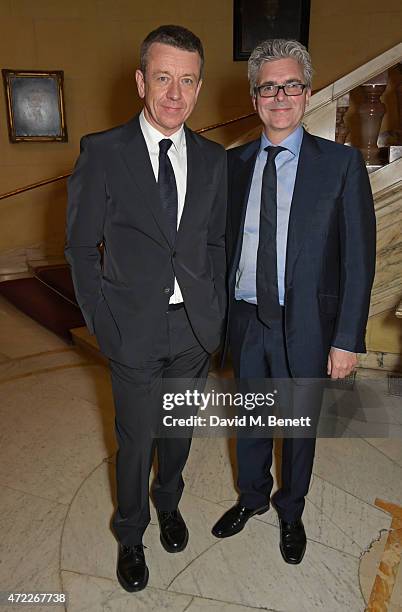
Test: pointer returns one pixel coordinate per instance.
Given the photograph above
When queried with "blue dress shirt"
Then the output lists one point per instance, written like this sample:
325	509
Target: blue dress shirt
286	167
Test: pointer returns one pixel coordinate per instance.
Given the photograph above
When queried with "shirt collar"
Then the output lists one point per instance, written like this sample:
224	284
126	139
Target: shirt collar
291	142
153	136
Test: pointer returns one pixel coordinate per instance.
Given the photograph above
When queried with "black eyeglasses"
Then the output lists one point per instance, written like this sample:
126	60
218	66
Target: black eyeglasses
289	89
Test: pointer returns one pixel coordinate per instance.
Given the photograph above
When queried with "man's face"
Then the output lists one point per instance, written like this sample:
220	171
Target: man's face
281	114
170	86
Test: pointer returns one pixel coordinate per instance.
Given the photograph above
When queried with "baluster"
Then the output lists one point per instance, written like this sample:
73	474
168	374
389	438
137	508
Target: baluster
399	100
341	130
371	112
395	150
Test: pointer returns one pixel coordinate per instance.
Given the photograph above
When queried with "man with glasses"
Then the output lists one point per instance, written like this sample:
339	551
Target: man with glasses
301	251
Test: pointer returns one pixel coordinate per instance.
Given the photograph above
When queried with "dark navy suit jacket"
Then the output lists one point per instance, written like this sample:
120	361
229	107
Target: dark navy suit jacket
330	260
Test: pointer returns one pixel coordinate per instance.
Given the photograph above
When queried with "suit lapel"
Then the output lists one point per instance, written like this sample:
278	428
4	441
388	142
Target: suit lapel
135	155
307	185
242	174
197	179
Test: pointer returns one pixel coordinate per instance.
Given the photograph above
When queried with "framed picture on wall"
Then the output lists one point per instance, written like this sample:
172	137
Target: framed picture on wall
257	20
35	105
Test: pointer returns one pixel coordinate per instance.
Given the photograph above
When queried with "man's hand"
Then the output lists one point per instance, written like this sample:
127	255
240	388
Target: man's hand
340	363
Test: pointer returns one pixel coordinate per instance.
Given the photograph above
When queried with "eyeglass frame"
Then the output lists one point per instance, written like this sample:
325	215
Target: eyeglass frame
257	89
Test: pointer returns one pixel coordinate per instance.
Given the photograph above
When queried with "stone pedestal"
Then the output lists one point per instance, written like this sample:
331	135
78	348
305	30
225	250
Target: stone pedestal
393	138
342	108
371	112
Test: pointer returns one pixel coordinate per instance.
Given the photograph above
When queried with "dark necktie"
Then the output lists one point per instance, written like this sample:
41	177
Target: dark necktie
267	272
167	187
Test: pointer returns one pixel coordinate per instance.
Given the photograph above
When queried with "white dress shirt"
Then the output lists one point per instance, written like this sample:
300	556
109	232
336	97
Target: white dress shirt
178	157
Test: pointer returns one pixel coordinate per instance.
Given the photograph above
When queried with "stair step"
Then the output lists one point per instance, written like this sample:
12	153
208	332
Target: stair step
83	339
58	278
43	304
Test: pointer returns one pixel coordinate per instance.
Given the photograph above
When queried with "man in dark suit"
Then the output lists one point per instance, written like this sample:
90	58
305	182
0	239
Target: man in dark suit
153	193
301	249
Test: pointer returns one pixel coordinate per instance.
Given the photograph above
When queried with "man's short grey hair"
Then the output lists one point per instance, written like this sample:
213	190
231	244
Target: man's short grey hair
279	48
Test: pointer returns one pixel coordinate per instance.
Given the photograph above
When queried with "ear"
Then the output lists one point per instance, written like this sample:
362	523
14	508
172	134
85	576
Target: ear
197	91
254	101
140	80
308	96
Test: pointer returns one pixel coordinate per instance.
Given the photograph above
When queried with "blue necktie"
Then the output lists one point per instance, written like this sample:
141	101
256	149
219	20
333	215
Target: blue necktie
167	187
267	272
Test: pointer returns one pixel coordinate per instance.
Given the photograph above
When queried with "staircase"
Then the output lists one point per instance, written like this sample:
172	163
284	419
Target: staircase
47	296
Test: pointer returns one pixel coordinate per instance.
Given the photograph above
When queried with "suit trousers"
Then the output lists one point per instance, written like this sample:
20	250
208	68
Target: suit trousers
137	396
259	352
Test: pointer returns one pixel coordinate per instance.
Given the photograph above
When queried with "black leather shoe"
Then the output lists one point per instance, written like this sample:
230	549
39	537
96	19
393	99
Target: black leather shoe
174	533
234	520
132	571
293	541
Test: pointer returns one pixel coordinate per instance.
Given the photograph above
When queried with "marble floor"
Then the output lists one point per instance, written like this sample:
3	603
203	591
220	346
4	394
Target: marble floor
57	497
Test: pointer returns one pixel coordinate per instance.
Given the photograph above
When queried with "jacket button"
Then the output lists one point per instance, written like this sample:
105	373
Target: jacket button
166	290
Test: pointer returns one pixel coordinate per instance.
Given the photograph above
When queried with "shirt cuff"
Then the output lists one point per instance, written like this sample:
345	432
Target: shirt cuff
343	350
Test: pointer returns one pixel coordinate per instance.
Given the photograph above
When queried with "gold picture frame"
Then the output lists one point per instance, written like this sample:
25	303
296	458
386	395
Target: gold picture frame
35	105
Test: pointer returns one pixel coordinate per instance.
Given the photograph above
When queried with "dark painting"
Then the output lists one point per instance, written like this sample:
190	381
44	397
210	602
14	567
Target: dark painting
35	106
258	20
